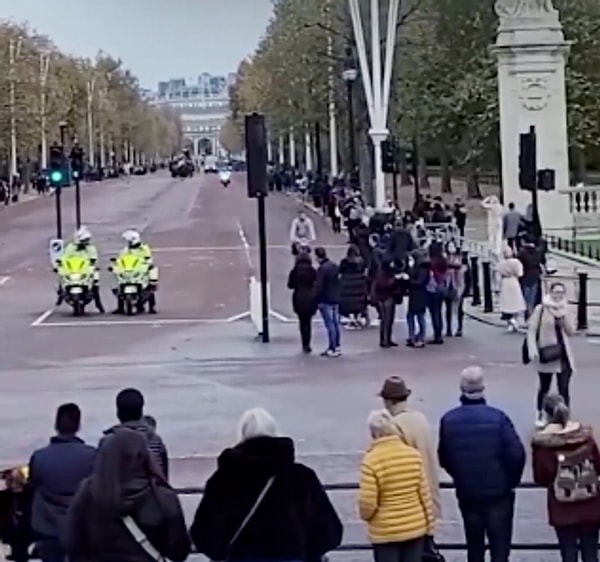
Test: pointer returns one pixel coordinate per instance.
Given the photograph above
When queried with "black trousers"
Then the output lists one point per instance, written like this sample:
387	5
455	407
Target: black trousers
492	518
407	551
562	382
305	326
387	310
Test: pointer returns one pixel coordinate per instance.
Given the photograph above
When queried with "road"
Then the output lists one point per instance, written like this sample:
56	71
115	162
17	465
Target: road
197	361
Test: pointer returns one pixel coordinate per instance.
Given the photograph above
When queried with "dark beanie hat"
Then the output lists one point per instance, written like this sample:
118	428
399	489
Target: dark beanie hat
130	405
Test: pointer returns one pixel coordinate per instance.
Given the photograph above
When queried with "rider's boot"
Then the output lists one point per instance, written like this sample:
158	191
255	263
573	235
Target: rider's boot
152	304
120	307
97	299
59	297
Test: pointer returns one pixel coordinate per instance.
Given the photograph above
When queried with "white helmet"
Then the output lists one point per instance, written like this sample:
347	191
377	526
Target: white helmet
132	237
83	235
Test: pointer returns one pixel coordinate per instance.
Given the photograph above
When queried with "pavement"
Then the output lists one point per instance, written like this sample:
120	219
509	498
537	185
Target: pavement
198	361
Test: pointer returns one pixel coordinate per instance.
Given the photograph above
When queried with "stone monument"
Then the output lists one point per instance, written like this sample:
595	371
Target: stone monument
532	53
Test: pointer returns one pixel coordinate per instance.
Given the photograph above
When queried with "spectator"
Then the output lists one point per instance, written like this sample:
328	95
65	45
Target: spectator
532	258
260	504
384	291
481	451
512	303
328	299
417	303
55	473
455	290
415	431
301	281
512	221
394	498
566	461
125	510
437	288
548	347
353	287
460	216
130	413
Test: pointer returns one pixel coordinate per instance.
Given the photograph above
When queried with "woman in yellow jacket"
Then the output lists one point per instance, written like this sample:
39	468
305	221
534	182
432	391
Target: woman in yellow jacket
394	497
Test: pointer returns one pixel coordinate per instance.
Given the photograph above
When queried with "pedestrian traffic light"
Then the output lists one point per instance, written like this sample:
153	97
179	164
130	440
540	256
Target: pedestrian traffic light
388	157
57	166
77	161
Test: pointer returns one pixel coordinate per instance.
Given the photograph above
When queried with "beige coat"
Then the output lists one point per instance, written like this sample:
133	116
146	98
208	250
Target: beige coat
511	295
543	321
415	430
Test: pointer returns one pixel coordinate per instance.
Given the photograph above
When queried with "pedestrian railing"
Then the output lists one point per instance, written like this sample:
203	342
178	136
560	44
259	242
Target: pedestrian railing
586	248
353	547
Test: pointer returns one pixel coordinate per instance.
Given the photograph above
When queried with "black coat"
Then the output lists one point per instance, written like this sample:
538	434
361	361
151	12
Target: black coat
417	290
301	281
328	283
353	286
55	474
91	535
295	520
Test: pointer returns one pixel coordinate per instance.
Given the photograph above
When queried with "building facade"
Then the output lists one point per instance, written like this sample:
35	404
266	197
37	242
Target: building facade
203	104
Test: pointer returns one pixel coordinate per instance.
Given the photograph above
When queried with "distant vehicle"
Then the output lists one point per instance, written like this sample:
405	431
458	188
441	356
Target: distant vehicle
211	164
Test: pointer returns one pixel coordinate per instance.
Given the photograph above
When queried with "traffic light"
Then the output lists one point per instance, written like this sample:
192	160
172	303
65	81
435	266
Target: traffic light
528	161
77	161
57	166
388	157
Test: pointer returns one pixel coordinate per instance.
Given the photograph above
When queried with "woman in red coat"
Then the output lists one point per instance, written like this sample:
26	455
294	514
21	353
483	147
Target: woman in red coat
566	461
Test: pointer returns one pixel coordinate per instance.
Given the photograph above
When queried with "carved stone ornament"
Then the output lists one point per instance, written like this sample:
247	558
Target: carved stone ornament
534	93
526	8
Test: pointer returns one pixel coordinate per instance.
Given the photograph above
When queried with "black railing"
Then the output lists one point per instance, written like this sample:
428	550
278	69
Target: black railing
353	547
589	249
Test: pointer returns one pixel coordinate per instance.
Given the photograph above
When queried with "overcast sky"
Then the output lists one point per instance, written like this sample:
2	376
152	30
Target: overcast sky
157	39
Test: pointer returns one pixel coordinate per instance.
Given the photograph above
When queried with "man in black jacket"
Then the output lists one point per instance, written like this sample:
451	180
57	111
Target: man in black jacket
55	474
327	293
130	412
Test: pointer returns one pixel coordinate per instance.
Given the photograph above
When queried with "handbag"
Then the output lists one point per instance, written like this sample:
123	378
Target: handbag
546	354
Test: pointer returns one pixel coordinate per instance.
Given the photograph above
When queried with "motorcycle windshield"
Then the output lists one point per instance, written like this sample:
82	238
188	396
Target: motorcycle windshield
131	268
76	268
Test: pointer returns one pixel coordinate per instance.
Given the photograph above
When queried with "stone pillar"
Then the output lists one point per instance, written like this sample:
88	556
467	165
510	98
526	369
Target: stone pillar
532	52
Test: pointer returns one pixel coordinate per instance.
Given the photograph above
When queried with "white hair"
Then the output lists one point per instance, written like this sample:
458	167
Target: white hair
256	422
381	424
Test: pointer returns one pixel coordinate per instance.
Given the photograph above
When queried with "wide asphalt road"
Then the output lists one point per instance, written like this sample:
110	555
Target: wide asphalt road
198	362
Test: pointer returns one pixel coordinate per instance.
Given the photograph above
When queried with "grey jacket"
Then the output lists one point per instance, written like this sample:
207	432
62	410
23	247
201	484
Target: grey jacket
156	445
512	223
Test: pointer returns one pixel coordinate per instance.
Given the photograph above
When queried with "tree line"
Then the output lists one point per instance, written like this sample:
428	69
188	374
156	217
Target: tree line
52	88
444	90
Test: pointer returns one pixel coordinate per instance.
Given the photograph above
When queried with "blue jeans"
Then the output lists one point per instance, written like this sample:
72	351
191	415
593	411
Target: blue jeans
331	318
530	294
413	320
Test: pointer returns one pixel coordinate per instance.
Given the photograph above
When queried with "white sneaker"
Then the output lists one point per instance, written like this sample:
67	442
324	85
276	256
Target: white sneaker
540	420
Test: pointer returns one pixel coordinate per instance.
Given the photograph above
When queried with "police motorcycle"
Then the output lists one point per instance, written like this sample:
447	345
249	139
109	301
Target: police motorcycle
136	277
225	177
76	278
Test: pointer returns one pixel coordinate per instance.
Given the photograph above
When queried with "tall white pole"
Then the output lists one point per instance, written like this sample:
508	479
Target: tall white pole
281	150
14	48
377	87
102	102
91	86
333	148
269	150
292	147
308	151
44	66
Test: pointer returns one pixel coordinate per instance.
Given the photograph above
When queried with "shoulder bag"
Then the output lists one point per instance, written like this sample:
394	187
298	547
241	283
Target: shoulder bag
141	538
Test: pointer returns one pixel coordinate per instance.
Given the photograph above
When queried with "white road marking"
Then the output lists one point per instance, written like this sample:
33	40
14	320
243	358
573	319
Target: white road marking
245	243
42	317
4	279
238	317
280	316
39	323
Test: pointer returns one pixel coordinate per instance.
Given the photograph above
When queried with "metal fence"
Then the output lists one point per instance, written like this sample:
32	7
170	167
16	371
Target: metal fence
353	547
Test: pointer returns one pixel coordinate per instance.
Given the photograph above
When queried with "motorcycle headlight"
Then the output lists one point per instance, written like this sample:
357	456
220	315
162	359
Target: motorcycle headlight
75	277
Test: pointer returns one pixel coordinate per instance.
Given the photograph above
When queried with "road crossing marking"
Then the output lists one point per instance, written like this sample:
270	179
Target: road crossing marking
43	316
4	279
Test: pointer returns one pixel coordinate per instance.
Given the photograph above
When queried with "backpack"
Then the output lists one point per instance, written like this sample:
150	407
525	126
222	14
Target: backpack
576	477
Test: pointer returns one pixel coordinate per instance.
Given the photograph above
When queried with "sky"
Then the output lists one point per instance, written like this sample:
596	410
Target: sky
156	39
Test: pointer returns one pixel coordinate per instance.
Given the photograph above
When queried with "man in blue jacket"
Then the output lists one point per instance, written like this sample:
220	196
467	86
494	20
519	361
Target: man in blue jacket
481	451
55	473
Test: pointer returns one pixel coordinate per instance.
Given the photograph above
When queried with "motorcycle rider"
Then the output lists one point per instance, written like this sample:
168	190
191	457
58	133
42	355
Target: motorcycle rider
136	247
82	246
302	232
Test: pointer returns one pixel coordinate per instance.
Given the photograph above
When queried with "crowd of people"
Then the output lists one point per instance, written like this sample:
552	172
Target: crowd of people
114	502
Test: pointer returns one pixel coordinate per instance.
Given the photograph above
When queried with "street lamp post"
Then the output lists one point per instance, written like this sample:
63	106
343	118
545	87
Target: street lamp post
91	86
14	49
44	67
376	86
349	76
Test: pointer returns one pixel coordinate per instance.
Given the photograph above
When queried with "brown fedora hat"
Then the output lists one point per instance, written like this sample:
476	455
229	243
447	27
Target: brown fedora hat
394	388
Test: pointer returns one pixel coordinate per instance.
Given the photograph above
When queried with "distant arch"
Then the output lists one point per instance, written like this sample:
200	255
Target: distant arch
205	146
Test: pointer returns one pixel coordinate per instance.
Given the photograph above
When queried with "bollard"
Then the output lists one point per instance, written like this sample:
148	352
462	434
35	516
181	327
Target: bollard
488	302
475	290
582	320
